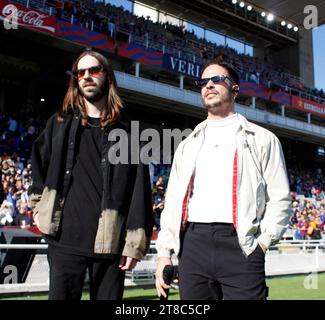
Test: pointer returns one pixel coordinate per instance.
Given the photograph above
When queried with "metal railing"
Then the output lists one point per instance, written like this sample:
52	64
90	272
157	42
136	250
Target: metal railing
302	244
23	246
286	257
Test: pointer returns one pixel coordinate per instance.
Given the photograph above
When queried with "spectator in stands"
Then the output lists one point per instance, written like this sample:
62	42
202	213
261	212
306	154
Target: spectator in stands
26	178
2	193
12	124
314	226
15	182
23	219
11	197
158	207
5	168
59	8
29	167
69	8
31	130
19	188
19	164
322	217
319	228
222	250
6	213
103	218
24	196
160	186
111	27
253	77
307	217
6	185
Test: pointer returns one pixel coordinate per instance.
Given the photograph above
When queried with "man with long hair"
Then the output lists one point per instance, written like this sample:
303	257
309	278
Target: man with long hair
95	215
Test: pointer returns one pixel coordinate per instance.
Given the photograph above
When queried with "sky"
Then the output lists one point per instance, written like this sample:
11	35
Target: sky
319	56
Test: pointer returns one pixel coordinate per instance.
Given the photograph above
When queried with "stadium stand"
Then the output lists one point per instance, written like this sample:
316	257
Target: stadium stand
19	130
176	40
166	37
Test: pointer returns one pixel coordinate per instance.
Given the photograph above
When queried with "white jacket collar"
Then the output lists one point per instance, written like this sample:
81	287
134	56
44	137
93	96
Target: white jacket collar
244	124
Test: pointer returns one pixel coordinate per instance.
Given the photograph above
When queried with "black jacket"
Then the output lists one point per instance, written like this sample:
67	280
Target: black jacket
126	220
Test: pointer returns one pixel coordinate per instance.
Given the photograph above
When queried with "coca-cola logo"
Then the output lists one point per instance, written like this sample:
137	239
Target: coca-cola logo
26	17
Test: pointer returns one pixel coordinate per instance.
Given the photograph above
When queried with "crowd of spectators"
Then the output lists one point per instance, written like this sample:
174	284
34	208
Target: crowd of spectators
307	191
307	219
159	174
308	202
16	139
307	182
177	40
17	133
307	185
15	181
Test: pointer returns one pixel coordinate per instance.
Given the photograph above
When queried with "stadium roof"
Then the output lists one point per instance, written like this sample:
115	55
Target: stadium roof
293	10
210	14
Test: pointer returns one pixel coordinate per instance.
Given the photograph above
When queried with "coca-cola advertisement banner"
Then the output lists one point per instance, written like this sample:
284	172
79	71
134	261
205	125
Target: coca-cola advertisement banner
11	14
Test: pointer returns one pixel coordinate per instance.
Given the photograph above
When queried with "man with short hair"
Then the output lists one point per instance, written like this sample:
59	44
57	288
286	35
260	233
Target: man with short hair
95	215
227	199
19	164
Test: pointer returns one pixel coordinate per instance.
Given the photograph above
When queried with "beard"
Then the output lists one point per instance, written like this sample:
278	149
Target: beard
214	106
96	94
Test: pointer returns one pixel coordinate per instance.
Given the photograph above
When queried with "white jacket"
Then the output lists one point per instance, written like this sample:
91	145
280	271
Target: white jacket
263	194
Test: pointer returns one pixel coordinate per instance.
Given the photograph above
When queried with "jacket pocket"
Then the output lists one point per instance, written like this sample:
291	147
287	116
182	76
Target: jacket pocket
260	200
49	212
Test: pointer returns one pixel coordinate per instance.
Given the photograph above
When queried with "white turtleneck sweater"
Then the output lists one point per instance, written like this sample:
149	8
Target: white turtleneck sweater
211	200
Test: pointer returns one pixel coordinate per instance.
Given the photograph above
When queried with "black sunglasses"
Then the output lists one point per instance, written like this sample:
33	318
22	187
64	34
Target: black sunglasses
93	71
216	79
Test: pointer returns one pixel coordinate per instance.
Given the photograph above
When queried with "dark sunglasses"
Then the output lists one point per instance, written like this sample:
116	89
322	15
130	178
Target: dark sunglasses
216	79
93	71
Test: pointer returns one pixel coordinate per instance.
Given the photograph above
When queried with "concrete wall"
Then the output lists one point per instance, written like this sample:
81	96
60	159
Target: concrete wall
306	57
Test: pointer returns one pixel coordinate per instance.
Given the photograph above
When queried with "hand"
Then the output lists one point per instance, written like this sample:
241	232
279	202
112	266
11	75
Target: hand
127	263
160	284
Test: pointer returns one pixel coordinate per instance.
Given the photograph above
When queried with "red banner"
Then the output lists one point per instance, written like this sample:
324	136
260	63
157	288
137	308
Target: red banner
25	17
308	106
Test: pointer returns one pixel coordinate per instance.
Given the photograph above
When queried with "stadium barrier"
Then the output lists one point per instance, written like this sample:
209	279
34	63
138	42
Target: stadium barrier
286	258
295	257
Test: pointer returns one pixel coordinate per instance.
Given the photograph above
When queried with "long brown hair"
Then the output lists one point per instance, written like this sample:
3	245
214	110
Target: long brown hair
73	99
